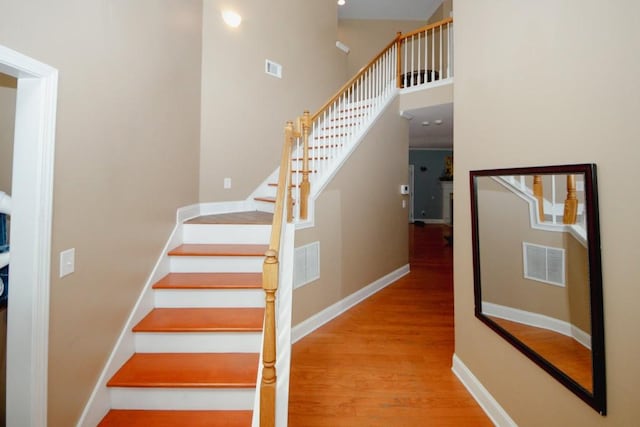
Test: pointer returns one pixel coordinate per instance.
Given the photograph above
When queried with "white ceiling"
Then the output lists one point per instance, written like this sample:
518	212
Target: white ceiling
409	10
432	135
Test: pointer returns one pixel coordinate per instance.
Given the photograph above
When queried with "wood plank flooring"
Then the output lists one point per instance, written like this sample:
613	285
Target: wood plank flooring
387	361
564	352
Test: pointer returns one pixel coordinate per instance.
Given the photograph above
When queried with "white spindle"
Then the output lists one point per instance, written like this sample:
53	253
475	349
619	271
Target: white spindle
440	66
553	199
448	50
433	52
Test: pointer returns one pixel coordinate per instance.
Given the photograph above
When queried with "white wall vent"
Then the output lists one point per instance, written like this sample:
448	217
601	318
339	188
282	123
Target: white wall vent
273	68
544	263
306	264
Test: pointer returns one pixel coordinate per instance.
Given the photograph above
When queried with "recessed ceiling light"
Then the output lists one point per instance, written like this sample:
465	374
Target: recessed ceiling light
231	18
438	122
425	123
341	2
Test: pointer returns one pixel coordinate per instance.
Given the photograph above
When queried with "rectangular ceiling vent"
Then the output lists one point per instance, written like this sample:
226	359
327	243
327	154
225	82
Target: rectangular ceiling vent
273	68
544	263
306	264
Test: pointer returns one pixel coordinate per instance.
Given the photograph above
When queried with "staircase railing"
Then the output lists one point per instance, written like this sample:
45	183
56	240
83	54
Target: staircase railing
425	55
317	143
270	281
551	209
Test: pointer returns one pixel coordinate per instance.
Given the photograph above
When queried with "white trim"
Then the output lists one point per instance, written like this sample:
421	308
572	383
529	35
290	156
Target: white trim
32	194
576	230
428	85
5	203
309	325
537	320
487	402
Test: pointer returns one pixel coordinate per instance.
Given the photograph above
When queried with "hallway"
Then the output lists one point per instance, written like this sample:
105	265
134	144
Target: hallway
387	361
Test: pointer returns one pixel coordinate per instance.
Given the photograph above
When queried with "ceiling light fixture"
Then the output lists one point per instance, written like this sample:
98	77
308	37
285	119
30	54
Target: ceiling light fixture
425	123
231	18
438	122
341	2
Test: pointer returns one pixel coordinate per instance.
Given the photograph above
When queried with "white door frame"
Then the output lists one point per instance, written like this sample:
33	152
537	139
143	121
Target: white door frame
32	194
411	195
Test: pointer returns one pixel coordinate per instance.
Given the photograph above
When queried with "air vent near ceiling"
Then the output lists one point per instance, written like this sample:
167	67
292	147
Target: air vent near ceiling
273	68
543	263
306	264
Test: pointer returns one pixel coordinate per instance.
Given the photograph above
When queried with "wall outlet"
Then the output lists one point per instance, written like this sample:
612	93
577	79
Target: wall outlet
67	262
227	183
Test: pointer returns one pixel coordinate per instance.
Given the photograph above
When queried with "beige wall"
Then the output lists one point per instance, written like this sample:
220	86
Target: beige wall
527	93
366	38
126	157
7	119
360	222
442	12
243	109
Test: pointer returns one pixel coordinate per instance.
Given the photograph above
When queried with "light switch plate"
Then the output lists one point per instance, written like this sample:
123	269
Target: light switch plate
227	183
67	262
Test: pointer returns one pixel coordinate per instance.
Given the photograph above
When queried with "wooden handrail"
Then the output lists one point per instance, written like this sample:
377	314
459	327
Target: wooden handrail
427	27
354	79
270	278
399	37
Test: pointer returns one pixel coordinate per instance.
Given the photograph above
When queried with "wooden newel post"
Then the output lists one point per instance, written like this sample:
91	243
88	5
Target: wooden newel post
399	59
571	203
305	186
538	193
268	383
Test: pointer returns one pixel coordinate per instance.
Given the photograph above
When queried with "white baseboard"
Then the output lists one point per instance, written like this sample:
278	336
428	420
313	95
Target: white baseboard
537	320
304	328
486	401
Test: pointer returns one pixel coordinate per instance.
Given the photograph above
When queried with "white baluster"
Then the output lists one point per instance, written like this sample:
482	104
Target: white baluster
440	67
553	199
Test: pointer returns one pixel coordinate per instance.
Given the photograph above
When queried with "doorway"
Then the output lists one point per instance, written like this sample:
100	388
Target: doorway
31	206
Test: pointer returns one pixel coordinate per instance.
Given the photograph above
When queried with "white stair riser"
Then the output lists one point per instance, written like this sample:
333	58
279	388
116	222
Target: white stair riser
216	264
206	298
182	398
265	206
198	342
226	234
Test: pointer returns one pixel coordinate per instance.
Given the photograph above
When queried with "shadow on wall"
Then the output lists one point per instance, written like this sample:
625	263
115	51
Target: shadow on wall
429	167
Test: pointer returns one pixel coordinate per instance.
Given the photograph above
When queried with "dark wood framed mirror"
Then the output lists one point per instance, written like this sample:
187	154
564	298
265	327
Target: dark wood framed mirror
537	269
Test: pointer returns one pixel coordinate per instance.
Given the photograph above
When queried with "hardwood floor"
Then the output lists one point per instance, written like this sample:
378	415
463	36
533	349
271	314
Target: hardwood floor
387	361
564	352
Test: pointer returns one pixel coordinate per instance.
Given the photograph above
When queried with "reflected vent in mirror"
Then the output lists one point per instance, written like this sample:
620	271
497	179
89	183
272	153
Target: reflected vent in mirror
544	263
306	264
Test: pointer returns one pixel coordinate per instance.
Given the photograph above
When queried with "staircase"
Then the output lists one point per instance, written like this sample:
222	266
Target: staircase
197	351
198	346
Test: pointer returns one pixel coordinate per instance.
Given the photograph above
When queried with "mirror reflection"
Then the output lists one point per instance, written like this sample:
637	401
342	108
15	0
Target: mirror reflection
533	231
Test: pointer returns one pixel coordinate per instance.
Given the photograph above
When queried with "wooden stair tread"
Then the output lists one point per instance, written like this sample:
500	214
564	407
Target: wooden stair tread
188	370
202	320
210	281
265	199
248	217
142	418
198	249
